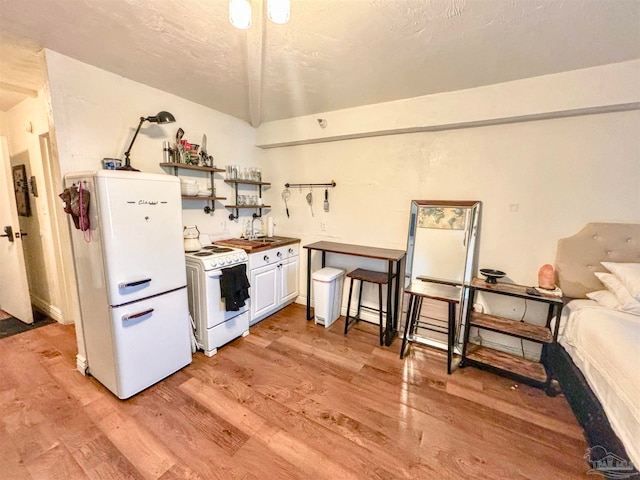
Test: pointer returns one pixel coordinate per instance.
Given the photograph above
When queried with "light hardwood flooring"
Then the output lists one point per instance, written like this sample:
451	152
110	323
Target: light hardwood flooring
290	401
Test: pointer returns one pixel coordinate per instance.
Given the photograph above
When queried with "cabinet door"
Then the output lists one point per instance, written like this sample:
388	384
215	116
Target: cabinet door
289	278
264	297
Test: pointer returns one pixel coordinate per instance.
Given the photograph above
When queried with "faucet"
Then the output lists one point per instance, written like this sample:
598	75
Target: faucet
253	235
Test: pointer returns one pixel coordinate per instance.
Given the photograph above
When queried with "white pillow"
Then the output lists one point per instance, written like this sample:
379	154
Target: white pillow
629	275
627	302
604	298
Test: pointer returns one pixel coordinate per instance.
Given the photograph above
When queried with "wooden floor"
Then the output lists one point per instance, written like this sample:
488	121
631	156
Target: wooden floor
291	400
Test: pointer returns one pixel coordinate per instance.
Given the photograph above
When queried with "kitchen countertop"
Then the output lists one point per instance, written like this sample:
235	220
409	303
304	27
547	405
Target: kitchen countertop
257	245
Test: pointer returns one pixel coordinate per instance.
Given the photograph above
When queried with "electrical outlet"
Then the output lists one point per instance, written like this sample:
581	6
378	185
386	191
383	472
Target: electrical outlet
477	307
223	225
323	226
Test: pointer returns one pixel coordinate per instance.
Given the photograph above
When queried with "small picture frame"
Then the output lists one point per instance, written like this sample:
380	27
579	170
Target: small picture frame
21	189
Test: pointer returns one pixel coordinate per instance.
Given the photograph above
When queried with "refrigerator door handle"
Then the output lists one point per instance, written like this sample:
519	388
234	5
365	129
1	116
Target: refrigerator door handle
134	284
133	316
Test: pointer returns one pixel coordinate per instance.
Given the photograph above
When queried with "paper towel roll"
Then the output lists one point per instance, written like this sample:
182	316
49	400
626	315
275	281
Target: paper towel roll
270	226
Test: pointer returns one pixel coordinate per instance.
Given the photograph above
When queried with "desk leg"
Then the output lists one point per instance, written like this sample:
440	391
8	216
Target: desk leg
391	329
309	317
451	335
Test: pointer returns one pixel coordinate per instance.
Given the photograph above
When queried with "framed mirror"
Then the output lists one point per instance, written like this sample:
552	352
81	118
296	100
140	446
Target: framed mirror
442	246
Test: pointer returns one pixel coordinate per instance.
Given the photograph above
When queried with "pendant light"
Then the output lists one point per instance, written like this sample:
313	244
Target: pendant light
240	13
279	11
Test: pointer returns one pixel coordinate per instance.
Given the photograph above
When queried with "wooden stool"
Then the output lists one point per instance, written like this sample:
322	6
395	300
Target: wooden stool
363	275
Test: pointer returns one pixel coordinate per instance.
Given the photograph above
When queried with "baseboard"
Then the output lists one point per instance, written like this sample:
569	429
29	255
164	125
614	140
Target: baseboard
81	364
49	310
368	317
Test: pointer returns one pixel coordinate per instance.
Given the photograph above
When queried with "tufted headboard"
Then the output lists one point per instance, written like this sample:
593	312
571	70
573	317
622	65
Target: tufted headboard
579	256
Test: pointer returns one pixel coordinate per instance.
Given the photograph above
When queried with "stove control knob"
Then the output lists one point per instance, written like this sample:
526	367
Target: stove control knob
229	259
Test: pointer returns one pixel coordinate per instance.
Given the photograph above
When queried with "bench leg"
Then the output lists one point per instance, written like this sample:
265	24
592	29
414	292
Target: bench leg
380	305
346	321
408	324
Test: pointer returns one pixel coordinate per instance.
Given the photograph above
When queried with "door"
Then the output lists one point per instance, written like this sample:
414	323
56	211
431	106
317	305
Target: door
289	280
14	288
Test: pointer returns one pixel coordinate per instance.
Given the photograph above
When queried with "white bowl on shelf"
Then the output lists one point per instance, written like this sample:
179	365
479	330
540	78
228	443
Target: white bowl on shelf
190	189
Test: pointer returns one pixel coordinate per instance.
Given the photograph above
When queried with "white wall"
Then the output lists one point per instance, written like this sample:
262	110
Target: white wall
559	173
96	113
24	148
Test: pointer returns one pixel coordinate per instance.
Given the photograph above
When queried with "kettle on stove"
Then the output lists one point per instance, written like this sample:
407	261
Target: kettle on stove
191	236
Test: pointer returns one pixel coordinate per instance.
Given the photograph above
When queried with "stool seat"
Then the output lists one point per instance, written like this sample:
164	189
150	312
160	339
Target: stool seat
381	278
378	278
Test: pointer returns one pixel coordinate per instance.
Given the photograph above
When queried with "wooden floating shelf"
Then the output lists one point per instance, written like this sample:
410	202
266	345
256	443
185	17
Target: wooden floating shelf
199	197
248	206
515	328
247	182
192	167
513	290
508	363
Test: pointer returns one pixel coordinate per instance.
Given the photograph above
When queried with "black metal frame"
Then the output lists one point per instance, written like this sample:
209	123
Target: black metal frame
356	318
393	292
413	322
235	207
553	306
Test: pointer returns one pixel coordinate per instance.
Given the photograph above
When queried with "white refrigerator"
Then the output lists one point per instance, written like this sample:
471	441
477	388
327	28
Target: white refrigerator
130	268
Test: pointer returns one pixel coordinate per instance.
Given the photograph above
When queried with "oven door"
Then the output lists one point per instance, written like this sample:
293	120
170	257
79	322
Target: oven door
216	306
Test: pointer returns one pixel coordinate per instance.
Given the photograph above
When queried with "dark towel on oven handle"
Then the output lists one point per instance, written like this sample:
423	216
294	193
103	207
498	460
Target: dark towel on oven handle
234	287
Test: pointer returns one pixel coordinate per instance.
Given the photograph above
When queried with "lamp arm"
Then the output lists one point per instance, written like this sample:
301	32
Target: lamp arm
126	154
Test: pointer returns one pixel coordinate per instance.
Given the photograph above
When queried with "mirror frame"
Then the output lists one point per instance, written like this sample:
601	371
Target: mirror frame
471	236
472	230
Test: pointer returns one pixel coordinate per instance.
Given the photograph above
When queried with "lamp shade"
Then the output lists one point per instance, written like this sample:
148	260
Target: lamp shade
162	117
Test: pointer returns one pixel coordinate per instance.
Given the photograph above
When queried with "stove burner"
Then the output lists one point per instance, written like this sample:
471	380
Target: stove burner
202	254
216	249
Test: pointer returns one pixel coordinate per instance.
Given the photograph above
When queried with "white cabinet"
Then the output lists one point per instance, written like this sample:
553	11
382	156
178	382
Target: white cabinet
274	277
264	294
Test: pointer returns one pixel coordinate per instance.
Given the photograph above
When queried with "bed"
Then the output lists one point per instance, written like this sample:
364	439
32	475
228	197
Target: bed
596	360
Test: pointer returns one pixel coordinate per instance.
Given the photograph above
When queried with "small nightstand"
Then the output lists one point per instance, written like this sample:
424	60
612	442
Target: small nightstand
521	369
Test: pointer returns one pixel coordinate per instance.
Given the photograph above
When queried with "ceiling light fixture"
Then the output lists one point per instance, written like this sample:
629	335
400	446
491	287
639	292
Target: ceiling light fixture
278	11
240	13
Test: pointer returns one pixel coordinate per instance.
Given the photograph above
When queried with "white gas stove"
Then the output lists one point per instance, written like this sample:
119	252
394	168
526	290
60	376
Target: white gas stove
215	325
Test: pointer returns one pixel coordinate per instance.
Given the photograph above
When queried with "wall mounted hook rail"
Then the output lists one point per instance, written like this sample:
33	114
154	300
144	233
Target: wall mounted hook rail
310	185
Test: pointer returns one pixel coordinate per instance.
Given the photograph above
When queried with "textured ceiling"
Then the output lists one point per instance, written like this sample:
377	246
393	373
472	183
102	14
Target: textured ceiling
333	54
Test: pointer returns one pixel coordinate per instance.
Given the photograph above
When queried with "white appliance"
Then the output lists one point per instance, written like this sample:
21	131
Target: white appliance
131	277
215	326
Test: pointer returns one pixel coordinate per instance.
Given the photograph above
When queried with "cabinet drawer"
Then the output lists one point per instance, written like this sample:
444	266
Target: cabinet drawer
273	255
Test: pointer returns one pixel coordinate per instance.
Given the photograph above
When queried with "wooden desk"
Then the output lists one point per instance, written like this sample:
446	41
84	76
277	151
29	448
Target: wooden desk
393	290
442	291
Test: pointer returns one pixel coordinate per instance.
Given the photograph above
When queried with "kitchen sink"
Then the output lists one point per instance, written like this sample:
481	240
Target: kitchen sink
258	244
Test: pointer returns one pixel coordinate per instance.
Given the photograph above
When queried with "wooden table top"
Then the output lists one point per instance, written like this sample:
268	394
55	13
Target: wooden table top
357	250
437	291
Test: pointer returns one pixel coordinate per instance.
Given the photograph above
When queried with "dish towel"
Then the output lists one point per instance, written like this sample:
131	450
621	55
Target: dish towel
234	287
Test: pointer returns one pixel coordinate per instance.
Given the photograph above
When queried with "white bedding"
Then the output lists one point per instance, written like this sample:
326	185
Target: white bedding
605	345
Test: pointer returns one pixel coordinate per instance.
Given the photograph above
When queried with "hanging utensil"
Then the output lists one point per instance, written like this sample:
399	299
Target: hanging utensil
286	195
310	201
204	158
180	154
326	199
